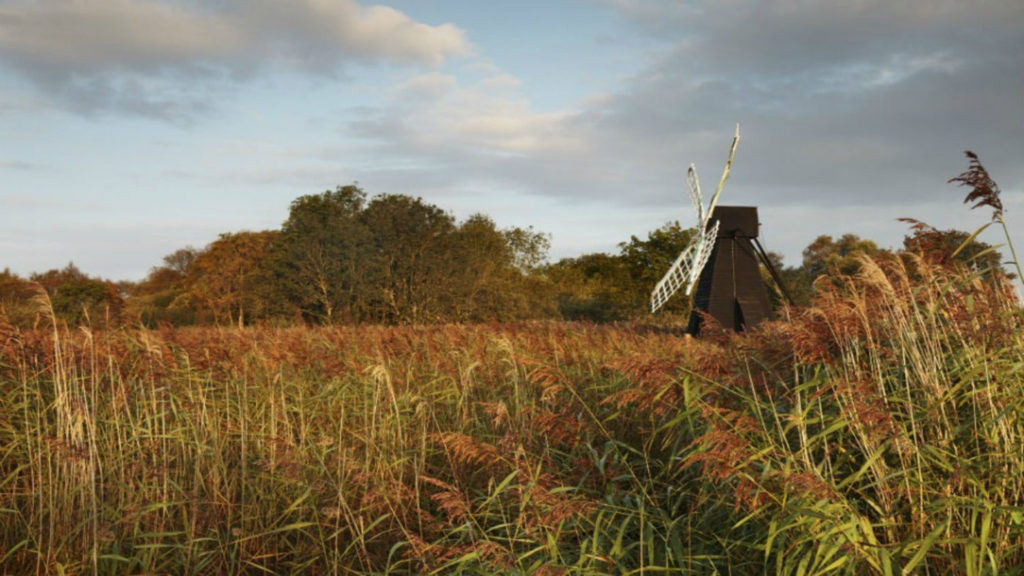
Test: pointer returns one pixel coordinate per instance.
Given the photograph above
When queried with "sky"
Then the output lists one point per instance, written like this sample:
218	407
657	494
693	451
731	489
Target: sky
132	128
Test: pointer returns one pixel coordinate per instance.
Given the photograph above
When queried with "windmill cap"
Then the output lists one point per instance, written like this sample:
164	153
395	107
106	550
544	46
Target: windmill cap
735	221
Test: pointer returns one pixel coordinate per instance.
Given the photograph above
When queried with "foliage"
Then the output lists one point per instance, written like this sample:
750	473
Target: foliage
160	297
78	298
399	260
527	247
797	285
16	307
409	263
602	287
496	276
826	255
593	287
317	258
225	281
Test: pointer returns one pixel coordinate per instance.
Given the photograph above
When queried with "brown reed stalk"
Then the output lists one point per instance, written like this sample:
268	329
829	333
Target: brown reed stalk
985	192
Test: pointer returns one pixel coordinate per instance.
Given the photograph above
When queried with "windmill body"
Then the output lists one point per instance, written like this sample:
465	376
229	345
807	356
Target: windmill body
720	262
730	289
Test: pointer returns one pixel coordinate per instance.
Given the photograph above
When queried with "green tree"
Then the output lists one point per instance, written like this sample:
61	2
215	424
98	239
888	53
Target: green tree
527	247
78	298
648	260
481	284
496	275
320	258
828	256
160	297
595	287
410	264
797	283
604	287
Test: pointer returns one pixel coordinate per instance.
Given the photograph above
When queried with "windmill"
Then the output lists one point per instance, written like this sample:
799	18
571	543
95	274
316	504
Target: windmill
721	262
685	271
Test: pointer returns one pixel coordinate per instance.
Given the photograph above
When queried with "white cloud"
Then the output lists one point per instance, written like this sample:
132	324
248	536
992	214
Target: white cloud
432	86
127	54
86	37
434	113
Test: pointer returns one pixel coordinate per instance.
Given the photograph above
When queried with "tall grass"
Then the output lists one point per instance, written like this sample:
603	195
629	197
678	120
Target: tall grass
891	438
880	431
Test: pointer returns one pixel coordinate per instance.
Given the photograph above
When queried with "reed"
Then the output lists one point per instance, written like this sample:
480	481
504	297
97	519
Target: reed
879	431
893	443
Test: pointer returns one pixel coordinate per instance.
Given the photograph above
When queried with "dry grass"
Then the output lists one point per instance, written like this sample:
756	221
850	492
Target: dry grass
880	431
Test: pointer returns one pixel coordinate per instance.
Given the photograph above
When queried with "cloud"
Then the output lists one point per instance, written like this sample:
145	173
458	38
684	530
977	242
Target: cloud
831	95
159	58
847	109
435	115
432	86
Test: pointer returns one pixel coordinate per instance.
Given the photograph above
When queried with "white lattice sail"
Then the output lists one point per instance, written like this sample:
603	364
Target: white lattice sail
685	271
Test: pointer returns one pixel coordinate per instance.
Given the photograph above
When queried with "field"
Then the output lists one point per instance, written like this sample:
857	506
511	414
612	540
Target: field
879	431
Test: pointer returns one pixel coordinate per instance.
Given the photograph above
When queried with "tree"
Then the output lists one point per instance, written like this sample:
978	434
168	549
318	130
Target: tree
481	284
225	279
603	287
495	275
160	297
16	295
320	257
527	247
827	256
78	298
180	261
410	262
594	287
797	283
952	248
648	260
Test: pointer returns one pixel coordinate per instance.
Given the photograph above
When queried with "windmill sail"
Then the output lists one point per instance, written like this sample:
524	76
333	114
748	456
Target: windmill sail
685	271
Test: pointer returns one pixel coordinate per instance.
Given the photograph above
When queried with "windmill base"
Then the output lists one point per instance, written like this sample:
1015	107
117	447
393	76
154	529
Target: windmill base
730	289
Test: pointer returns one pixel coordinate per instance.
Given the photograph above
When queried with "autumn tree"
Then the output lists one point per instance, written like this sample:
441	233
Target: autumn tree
16	306
952	248
227	278
78	298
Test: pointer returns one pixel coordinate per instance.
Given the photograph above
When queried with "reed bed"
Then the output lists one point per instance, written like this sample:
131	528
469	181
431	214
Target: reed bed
879	431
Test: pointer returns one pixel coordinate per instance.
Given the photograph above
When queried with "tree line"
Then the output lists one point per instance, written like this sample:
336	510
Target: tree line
343	258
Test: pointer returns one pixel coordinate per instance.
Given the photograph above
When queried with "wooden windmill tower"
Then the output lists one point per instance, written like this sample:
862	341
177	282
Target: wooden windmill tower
721	262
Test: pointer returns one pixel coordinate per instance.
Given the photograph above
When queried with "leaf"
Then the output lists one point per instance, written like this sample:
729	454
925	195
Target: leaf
924	548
